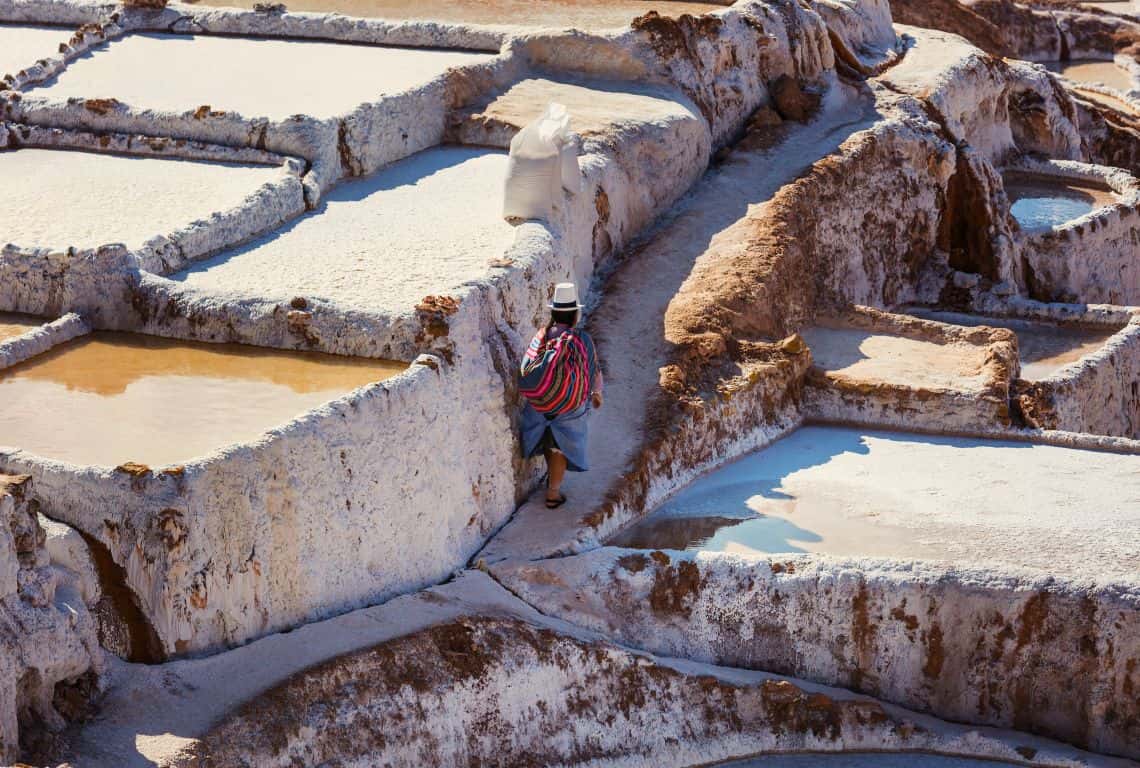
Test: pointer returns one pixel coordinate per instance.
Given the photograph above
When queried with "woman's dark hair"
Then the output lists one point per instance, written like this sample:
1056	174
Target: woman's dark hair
564	316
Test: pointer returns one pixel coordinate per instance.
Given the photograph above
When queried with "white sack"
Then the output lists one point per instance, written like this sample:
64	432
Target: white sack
543	159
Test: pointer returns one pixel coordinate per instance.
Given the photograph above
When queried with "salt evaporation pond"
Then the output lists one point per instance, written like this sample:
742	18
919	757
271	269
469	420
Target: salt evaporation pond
58	199
13	324
560	14
22	45
884	357
863	760
111	398
1044	347
250	76
422	226
1093	72
1042	202
883	494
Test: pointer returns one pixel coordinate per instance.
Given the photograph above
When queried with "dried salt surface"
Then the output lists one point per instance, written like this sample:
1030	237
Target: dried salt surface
422	226
22	45
12	324
254	77
582	14
866	760
879	494
57	199
880	357
110	398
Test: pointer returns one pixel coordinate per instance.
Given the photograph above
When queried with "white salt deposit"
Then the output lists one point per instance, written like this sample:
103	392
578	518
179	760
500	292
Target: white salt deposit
254	77
879	494
422	226
23	45
57	199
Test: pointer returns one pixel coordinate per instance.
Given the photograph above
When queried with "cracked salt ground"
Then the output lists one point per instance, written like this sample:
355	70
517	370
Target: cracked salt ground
22	45
138	197
880	494
421	226
279	78
112	398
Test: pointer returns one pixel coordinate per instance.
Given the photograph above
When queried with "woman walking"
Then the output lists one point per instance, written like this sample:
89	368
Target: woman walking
561	380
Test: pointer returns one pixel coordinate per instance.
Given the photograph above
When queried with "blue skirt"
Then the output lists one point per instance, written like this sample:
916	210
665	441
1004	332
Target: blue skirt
567	432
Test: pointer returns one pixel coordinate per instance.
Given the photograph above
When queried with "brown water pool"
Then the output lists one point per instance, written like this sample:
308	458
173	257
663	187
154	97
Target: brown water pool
110	398
1092	71
1044	347
12	324
581	14
1041	202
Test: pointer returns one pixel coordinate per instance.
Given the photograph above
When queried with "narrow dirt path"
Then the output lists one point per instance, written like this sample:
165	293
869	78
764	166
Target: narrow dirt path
629	322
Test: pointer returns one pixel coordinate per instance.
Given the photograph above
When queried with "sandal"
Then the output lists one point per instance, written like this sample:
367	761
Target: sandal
556	503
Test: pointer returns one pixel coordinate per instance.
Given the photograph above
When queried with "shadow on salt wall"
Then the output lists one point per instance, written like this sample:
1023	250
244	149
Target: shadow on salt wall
714	514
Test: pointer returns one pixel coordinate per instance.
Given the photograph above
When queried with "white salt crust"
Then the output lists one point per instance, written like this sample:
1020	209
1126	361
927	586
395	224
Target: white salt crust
878	494
23	45
254	77
111	198
422	226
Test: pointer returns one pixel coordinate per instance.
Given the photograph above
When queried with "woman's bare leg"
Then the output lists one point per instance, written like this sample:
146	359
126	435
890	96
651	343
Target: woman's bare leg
556	465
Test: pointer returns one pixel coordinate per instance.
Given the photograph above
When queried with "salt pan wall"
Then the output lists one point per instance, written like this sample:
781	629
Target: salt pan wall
1036	653
47	635
1098	394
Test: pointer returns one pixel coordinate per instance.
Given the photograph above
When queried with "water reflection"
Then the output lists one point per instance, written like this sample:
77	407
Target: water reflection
1042	202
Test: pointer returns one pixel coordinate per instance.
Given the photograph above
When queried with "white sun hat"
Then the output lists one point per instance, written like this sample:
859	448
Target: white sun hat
565	298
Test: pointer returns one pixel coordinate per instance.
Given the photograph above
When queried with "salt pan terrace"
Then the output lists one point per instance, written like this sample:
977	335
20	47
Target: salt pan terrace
882	356
138	198
559	14
788	224
1044	347
23	45
280	78
421	226
110	399
890	495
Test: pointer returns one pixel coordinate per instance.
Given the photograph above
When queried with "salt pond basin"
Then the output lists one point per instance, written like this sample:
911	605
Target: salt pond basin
22	45
139	197
558	14
423	225
279	78
880	494
112	398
